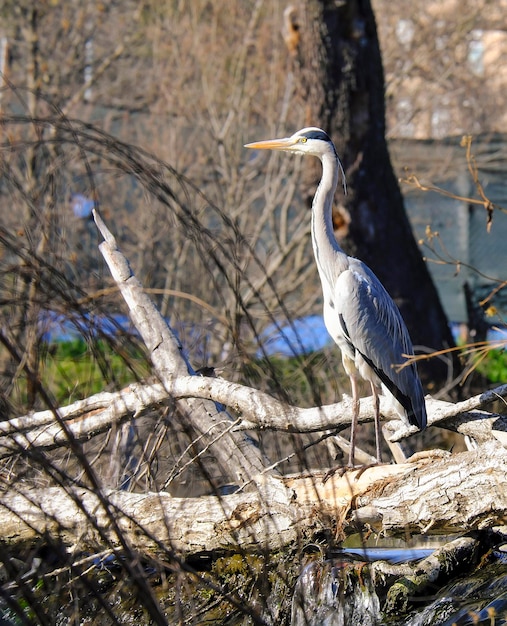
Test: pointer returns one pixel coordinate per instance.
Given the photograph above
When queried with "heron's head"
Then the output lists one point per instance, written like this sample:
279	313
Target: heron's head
310	140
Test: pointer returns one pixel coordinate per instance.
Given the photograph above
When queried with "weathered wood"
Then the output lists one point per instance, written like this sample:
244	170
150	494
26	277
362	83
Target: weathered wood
431	496
255	410
151	522
235	453
461	491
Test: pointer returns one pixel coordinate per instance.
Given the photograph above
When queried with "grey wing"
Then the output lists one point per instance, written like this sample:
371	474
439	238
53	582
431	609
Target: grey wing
372	324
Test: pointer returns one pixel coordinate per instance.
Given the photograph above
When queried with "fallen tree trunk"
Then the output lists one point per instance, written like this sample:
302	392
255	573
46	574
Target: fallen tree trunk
429	496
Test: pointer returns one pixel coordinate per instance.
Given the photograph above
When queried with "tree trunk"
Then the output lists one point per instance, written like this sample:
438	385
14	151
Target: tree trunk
423	497
342	78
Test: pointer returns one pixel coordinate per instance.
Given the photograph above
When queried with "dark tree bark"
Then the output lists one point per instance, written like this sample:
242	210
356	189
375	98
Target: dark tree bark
340	69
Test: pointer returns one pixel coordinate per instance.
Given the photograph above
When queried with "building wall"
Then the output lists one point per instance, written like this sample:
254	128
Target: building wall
454	233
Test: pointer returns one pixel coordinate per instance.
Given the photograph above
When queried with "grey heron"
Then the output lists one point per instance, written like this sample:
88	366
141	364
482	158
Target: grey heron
359	314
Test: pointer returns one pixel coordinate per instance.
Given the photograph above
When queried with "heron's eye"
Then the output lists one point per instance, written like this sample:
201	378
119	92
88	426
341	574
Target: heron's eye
302	140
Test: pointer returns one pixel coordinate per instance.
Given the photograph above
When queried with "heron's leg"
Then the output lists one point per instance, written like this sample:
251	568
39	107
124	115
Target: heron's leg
376	405
355	415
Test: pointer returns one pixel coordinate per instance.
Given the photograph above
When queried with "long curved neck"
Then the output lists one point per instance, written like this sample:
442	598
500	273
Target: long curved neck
329	255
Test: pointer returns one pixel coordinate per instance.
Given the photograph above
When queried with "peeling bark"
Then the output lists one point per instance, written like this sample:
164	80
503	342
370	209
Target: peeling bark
426	497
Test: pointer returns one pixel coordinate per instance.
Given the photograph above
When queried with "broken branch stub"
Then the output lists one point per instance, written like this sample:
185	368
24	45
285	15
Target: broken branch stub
235	454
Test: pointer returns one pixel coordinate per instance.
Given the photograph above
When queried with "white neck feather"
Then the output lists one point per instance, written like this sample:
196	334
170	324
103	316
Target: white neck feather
329	255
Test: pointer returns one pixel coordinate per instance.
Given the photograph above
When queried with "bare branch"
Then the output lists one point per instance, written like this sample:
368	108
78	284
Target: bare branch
235	452
257	411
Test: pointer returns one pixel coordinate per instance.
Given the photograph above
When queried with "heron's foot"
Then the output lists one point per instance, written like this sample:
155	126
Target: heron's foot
361	470
339	469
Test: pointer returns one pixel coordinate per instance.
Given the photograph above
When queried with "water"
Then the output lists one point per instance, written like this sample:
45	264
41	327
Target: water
480	598
342	591
332	594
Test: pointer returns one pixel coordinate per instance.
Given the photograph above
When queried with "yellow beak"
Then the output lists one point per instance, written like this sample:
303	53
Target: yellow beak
272	144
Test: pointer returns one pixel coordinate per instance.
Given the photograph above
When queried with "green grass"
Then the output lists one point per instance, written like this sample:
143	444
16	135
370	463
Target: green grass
494	366
74	370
